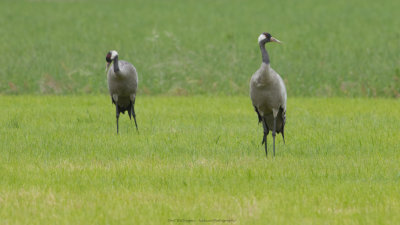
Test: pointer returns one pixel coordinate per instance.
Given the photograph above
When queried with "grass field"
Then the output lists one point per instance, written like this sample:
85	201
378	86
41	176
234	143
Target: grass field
197	158
332	48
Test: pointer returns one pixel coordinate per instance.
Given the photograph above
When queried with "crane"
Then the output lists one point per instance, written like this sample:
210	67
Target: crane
268	94
122	81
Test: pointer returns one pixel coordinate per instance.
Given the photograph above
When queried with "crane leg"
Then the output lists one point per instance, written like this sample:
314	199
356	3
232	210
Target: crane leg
274	134
134	115
117	114
264	141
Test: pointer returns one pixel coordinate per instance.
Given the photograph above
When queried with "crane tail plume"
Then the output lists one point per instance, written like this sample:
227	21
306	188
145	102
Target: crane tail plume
274	134
258	114
130	114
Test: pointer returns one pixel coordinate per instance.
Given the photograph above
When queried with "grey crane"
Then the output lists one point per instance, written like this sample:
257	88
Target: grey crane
122	84
268	94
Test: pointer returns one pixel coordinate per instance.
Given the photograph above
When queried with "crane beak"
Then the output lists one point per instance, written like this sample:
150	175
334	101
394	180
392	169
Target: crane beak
276	40
107	66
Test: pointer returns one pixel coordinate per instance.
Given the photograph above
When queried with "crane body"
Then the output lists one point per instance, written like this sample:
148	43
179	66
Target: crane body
122	82
268	95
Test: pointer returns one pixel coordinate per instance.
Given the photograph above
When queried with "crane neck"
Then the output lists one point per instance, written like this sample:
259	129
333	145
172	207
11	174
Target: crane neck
264	53
116	66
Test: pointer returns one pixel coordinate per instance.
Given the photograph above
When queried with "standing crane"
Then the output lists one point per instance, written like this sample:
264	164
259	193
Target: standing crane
268	94
122	84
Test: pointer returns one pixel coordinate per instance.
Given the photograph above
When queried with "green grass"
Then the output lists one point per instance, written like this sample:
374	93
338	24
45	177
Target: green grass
332	48
197	158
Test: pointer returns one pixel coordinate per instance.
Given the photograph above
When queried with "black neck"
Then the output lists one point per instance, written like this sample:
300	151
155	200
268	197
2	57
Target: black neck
116	67
264	53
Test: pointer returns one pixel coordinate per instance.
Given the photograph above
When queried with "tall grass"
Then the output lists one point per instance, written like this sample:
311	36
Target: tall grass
332	48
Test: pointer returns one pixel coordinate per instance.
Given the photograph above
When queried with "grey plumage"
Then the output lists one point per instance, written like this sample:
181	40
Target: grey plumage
268	95
122	85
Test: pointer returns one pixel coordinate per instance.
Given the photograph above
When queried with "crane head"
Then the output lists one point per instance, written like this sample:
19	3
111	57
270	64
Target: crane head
267	37
110	57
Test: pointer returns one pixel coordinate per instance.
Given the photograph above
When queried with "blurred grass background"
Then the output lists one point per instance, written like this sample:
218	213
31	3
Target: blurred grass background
332	48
